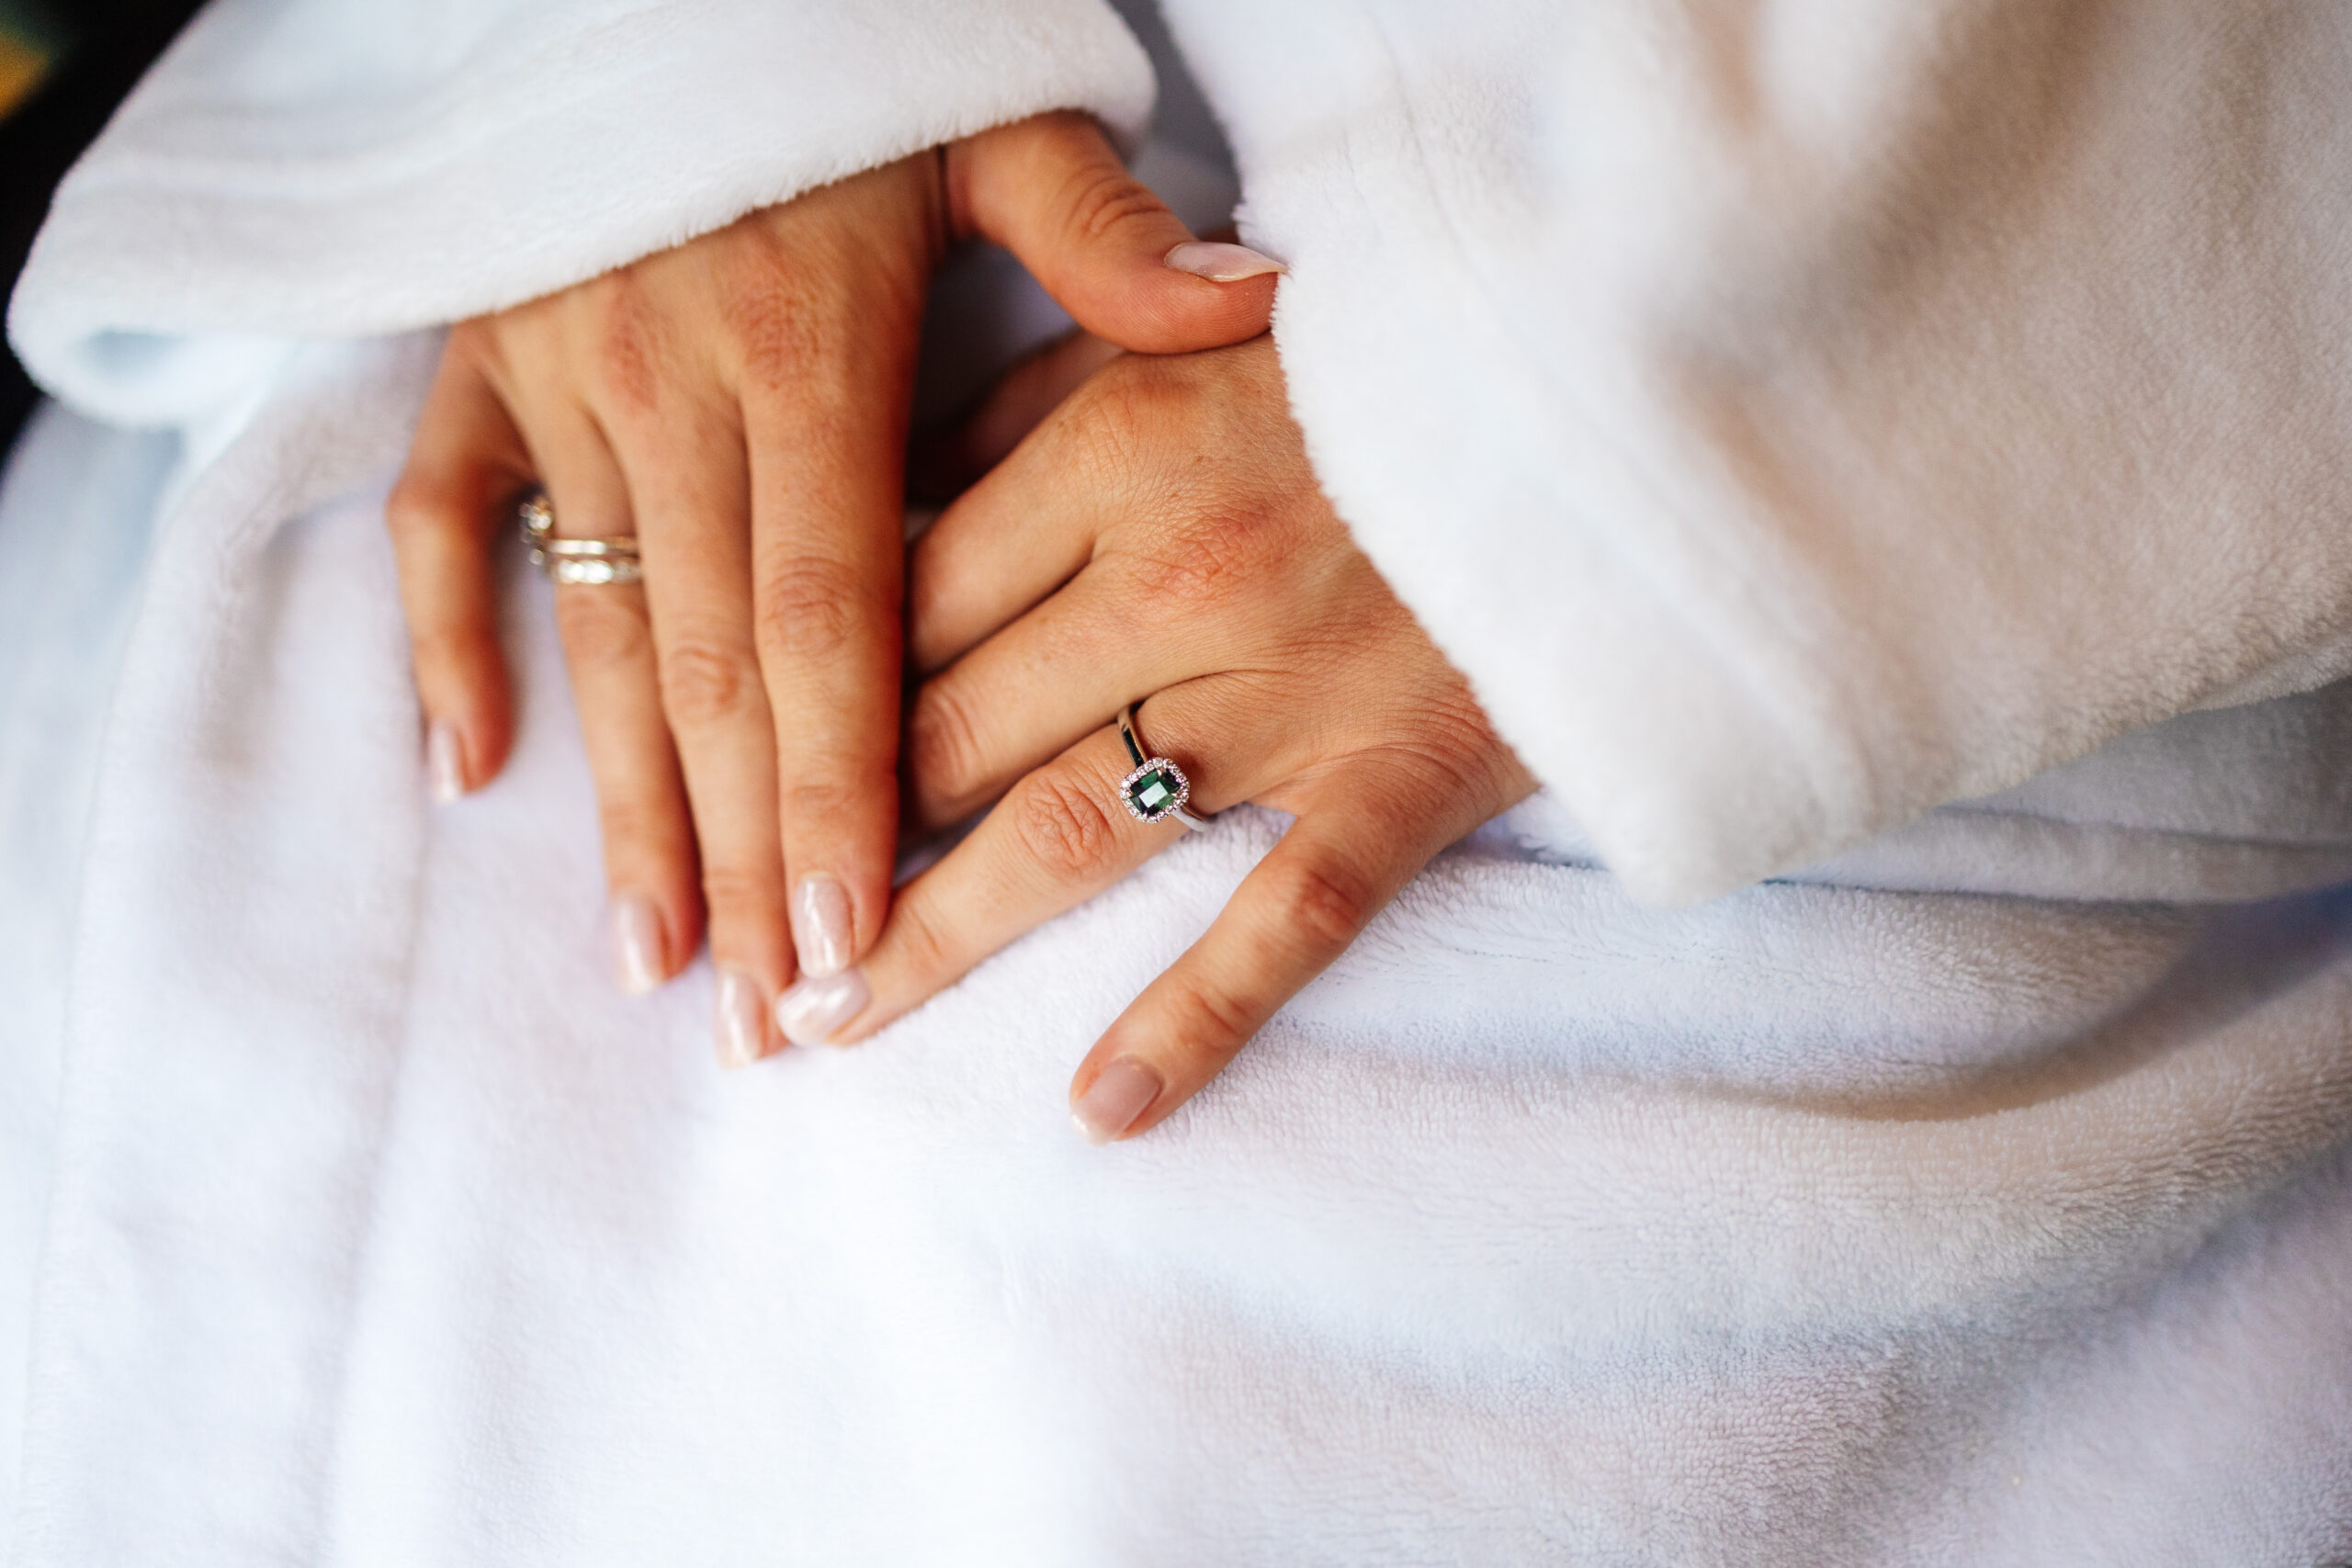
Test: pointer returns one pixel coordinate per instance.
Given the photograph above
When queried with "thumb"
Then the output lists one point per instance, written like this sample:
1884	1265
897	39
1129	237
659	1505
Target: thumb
1053	191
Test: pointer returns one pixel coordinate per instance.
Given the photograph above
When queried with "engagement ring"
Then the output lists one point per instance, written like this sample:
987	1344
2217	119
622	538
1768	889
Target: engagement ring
583	562
1157	788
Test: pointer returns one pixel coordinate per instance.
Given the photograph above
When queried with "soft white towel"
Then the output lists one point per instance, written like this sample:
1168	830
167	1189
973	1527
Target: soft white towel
1823	1224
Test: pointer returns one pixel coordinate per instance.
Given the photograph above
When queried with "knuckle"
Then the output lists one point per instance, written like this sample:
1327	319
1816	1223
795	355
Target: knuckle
1210	558
1100	199
922	940
627	350
736	895
1118	412
1209	1021
703	680
636	826
938	586
473	340
943	744
477	347
825	805
602	628
776	318
1059	823
814	609
1326	903
421	504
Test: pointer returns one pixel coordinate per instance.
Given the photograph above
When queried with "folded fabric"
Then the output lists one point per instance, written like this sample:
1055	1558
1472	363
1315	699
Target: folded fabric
1981	1199
1790	427
1817	1225
337	168
77	503
1794	416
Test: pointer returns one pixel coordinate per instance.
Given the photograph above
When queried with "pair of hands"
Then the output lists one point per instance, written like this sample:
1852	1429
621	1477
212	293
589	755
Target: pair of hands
739	404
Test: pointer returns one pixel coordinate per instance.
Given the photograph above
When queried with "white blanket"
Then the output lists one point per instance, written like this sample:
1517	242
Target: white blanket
1855	1221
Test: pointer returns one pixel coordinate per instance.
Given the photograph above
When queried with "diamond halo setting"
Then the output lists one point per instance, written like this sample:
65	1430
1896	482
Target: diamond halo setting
1156	790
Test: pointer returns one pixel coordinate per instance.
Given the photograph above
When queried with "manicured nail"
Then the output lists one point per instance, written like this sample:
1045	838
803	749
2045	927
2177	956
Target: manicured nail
1221	263
1119	1094
445	761
637	943
811	1010
820	928
740	1018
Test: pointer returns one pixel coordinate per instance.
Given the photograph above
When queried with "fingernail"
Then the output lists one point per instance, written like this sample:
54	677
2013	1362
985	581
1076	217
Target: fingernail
637	943
1221	263
1120	1093
445	761
820	928
739	1015
811	1010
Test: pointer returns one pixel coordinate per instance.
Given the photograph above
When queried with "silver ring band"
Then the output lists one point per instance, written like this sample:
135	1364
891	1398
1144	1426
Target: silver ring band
588	563
1157	788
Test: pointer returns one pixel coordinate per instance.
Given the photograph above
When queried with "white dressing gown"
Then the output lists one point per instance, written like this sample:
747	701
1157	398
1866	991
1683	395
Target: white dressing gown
1800	420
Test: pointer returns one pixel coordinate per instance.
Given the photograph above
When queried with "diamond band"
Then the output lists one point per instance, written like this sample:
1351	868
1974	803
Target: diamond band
593	573
588	563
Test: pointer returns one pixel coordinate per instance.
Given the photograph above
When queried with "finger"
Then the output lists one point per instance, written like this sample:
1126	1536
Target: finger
1060	837
1052	190
690	489
1022	532
828	444
1040	683
649	856
1353	846
944	461
464	468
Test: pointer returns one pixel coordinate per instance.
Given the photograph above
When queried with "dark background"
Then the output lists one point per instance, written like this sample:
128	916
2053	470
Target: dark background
95	50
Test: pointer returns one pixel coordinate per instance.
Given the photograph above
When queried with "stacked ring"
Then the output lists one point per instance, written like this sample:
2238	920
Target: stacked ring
1157	788
585	562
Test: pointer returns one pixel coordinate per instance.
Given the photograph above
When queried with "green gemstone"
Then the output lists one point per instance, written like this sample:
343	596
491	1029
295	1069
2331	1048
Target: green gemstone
1154	793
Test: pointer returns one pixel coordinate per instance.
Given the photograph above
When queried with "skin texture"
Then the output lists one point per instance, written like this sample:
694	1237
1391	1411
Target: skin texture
738	403
1160	537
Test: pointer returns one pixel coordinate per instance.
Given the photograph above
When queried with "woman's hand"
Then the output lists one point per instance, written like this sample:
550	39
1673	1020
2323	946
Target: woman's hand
739	404
1165	526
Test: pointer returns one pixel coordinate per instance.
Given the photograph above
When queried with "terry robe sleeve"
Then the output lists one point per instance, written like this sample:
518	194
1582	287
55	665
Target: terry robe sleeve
345	168
1794	415
1789	415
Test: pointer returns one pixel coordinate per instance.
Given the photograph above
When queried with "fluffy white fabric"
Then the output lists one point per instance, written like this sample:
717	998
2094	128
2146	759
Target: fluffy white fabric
1847	408
1817	1225
1844	412
75	505
412	165
1858	1220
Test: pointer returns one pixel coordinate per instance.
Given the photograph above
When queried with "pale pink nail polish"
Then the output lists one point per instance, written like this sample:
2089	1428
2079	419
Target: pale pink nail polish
820	926
1221	263
445	761
637	943
740	1018
811	1010
1119	1094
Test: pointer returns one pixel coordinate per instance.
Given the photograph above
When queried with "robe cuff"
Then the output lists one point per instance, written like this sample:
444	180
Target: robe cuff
342	170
